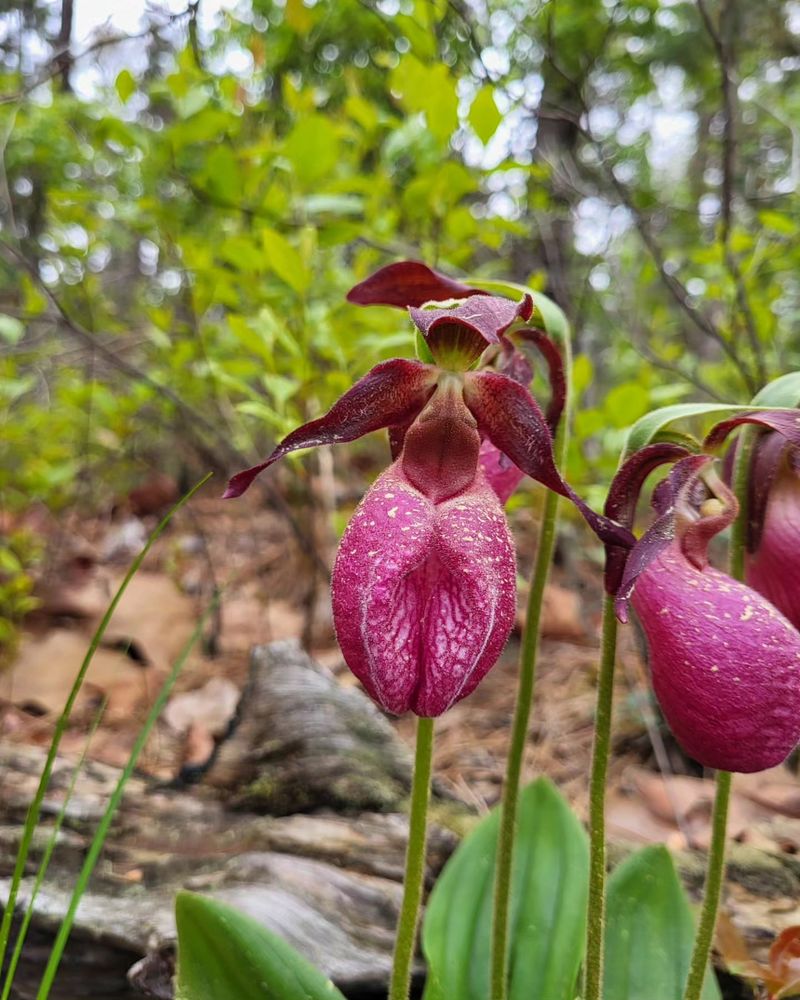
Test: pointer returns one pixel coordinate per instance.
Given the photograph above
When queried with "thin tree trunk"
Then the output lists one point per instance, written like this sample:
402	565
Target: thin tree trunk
63	55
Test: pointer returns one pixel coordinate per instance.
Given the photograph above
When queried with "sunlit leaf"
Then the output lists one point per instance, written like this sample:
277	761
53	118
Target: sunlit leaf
484	115
125	85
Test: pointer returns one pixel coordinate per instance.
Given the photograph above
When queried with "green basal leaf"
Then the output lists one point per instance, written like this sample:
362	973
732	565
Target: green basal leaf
648	427
782	392
547	906
225	955
649	931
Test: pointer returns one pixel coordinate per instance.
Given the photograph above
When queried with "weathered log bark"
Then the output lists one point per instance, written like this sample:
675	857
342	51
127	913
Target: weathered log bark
329	884
304	742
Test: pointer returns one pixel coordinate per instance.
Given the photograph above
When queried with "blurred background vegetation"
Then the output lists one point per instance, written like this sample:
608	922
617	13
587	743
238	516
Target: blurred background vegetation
183	208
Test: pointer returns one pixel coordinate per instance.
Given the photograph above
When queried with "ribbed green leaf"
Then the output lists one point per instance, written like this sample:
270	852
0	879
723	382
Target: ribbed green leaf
783	391
649	931
225	955
645	430
547	907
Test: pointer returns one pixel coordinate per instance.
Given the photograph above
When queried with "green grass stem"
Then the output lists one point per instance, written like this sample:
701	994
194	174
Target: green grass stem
34	810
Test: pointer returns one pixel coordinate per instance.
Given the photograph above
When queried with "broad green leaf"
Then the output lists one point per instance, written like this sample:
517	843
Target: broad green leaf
626	403
221	174
125	85
547	906
484	115
313	148
649	426
285	261
225	955
783	391
428	88
649	931
298	16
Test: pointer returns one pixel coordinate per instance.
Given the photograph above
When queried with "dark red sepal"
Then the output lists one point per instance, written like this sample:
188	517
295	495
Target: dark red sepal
390	394
768	453
785	422
510	417
408	283
473	325
623	496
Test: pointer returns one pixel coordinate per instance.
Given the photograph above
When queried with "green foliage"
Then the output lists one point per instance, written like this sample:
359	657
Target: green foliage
649	931
203	219
225	954
548	905
20	552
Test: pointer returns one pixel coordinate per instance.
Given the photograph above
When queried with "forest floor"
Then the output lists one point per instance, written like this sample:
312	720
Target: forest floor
248	553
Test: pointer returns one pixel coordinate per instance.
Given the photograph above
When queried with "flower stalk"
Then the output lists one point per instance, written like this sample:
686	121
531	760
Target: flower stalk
595	915
413	882
522	711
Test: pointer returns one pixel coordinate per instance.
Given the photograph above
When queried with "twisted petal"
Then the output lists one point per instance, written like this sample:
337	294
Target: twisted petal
623	496
392	393
408	283
423	593
510	417
774	568
678	517
725	664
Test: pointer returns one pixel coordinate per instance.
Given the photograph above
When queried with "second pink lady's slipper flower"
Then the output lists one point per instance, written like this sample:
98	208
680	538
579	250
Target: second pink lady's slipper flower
424	580
725	663
772	564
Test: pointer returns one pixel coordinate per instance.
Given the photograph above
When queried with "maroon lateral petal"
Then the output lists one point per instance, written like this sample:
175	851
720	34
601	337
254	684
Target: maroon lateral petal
488	317
623	496
785	422
662	531
672	497
408	283
551	353
765	462
510	417
390	394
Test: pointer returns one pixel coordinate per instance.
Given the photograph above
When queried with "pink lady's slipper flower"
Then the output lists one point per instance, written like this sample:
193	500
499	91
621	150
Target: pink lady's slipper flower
772	564
725	662
411	284
424	580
